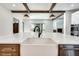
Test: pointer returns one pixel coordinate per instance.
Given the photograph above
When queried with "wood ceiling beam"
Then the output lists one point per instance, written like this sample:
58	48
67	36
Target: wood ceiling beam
36	11
58	16
26	6
52	7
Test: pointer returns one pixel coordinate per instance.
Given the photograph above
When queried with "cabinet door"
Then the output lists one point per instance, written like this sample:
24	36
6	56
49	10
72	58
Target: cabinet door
16	28
9	49
63	51
76	50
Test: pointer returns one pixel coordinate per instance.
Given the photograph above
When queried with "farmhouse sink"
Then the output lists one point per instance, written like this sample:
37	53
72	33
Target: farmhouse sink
38	41
39	47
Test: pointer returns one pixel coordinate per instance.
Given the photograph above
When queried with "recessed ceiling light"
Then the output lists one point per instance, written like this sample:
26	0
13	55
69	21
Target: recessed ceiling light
13	5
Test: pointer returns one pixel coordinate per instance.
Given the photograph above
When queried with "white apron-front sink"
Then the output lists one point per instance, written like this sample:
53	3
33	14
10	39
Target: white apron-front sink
39	47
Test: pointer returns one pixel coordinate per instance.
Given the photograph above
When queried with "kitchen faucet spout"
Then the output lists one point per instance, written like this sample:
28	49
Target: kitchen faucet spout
37	29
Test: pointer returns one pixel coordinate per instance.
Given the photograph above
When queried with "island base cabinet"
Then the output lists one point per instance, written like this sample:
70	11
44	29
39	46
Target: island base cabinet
9	50
68	50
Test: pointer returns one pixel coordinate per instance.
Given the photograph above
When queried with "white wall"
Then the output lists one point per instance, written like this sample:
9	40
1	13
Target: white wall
58	23
75	18
5	22
67	23
48	26
55	24
38	18
20	18
27	26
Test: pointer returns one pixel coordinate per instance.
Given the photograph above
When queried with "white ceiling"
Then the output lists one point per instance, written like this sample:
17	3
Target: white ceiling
39	6
32	6
13	6
66	6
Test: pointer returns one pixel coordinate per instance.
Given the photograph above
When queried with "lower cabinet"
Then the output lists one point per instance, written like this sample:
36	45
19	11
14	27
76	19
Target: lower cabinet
68	50
9	49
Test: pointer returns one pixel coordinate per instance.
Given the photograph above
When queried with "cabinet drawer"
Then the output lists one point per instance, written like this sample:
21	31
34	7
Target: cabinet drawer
68	51
8	54
10	49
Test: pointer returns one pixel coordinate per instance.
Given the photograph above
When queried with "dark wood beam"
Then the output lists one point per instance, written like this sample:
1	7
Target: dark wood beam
27	8
52	7
58	16
36	11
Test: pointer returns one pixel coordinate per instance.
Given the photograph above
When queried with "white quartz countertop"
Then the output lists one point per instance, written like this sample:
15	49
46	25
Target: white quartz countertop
21	37
60	38
14	38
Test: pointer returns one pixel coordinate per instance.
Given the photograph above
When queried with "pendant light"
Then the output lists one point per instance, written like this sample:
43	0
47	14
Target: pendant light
52	15
26	15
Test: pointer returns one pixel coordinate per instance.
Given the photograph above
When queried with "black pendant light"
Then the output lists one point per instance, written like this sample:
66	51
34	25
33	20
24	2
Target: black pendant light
26	15
52	15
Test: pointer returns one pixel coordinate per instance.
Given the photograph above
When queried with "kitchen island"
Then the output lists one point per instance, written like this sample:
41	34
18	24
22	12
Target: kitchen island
49	44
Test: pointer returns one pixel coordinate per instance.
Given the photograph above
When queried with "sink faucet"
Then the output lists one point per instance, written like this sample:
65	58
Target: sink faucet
37	28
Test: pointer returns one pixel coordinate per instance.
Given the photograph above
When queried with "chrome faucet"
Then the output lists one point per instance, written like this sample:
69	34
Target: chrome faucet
37	28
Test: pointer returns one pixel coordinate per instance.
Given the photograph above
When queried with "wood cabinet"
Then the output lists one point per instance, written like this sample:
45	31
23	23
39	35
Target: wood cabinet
15	27
9	49
63	51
